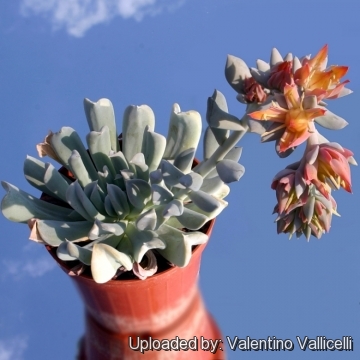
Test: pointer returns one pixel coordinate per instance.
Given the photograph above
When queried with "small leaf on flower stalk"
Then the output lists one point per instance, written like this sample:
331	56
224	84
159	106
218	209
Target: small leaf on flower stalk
275	57
308	209
262	65
296	64
219	99
310	102
105	261
234	154
229	170
288	57
236	71
331	121
220	119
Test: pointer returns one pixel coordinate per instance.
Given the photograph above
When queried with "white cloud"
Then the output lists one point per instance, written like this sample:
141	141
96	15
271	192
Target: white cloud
78	16
33	268
13	349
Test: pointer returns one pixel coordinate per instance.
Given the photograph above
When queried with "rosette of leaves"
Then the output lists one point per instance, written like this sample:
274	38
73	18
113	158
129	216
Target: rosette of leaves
124	201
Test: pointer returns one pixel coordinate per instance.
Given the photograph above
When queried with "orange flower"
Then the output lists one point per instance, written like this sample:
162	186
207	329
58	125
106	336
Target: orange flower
316	80
295	123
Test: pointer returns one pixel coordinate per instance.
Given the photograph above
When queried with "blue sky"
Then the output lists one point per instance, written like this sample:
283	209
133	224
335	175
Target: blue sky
256	283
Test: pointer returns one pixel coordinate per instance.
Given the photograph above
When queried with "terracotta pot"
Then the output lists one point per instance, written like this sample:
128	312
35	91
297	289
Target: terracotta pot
163	306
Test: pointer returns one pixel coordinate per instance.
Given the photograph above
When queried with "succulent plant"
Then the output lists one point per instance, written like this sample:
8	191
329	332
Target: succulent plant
125	200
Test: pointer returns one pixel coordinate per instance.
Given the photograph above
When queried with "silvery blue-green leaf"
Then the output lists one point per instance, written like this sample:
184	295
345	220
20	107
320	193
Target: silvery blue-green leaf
211	183
229	170
331	121
184	160
127	174
184	132
109	208
118	200
84	255
99	229
119	162
67	140
100	149
210	214
156	177
153	148
78	168
160	219
63	253
178	248
236	71
125	246
140	167
138	192
189	219
160	194
210	143
96	196
222	192
45	178
101	113
142	241
219	100
275	57
34	171
105	261
191	181
19	206
77	199
147	220
55	182
204	201
234	154
54	232
173	208
136	120
171	174
220	119
283	154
